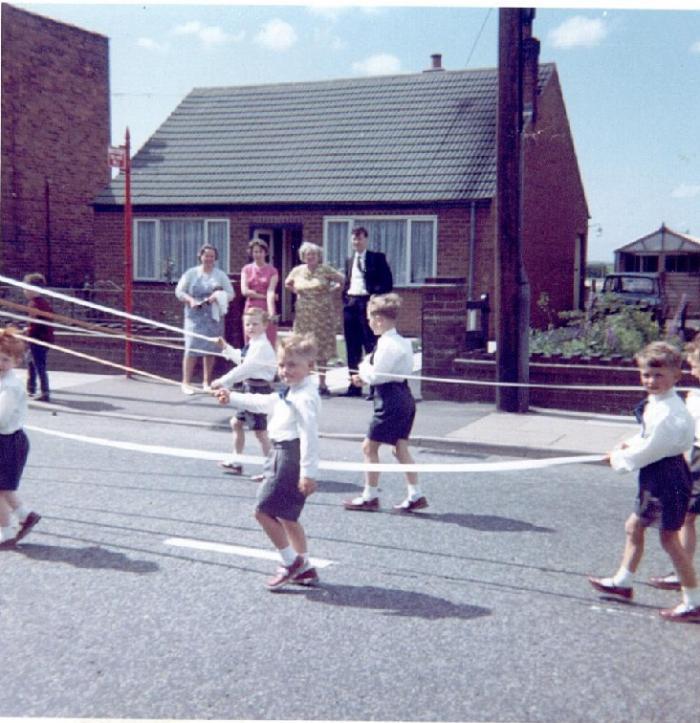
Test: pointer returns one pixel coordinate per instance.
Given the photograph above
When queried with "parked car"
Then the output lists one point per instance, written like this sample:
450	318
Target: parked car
645	290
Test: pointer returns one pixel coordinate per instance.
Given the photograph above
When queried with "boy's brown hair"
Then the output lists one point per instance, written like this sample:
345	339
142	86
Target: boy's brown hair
256	311
659	354
304	345
692	350
10	344
387	305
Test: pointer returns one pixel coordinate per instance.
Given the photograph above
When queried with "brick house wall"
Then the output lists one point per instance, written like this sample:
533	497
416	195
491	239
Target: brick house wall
55	134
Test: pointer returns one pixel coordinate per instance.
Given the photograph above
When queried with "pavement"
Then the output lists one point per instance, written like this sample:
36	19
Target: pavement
457	427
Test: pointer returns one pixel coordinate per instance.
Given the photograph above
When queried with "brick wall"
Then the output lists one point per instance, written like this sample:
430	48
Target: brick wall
55	133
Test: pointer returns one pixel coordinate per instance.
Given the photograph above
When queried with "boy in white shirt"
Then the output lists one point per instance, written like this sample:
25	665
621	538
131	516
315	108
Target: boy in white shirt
291	467
386	369
664	479
688	535
256	365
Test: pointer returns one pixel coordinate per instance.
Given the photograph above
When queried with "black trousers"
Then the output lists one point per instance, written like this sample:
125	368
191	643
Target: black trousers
358	335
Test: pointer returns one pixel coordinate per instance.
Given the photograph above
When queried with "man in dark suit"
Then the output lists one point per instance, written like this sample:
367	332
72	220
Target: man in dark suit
366	273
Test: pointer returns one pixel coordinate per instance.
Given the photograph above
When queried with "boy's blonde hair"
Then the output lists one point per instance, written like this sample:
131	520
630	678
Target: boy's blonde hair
659	354
256	311
387	305
303	345
692	350
35	279
10	344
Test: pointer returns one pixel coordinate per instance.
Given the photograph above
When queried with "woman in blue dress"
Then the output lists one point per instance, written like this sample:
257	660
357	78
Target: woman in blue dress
206	291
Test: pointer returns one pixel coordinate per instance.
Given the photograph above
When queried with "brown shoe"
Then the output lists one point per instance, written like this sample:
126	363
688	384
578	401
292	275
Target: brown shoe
667	582
362	506
231	467
284	574
26	527
412	505
624	592
7	544
681	614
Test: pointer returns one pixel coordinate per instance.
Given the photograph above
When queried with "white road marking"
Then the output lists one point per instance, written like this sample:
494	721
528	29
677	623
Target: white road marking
237	550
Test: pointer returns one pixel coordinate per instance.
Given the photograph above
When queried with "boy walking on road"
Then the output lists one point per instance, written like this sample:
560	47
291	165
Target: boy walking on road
664	479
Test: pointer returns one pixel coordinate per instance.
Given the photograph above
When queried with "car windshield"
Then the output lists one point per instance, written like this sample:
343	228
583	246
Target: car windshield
631	285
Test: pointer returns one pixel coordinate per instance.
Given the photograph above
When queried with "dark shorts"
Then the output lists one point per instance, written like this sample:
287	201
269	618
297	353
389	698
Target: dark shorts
279	495
254	422
394	412
14	449
694	505
664	493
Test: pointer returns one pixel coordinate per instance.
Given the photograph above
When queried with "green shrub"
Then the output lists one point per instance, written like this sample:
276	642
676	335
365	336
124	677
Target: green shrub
609	328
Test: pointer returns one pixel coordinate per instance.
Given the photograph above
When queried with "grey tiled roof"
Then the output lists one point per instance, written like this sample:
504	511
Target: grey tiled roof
400	138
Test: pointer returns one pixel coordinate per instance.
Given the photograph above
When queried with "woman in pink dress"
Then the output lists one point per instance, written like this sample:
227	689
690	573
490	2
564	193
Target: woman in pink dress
259	285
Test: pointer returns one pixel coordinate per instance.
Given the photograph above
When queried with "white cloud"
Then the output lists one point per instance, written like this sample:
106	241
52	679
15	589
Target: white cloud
276	35
150	44
207	34
380	64
686	190
327	12
578	31
695	47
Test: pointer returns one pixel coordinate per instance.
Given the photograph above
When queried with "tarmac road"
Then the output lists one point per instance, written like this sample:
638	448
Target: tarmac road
476	609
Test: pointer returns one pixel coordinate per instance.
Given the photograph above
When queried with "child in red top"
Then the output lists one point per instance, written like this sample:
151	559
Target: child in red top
39	307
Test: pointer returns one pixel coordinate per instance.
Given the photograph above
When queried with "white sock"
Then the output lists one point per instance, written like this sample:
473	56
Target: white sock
370	493
414	492
288	555
623	578
6	533
691	598
22	513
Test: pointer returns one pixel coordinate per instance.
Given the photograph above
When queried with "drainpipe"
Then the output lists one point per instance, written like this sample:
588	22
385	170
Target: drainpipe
472	246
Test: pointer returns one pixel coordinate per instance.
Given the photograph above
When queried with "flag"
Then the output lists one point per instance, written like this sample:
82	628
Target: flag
116	156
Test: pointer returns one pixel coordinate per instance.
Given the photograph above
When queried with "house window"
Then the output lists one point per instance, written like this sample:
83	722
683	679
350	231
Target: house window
408	242
165	248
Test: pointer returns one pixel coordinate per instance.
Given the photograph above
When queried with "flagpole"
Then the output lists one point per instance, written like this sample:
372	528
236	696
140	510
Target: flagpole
128	255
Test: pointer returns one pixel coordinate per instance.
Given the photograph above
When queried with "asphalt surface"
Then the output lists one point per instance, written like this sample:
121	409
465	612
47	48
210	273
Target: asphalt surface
140	594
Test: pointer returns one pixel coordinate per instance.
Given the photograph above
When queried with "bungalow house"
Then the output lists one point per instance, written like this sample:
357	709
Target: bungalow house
411	157
676	255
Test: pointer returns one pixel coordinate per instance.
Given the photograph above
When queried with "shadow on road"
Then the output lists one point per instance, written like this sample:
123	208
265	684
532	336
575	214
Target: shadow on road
388	601
93	557
483	523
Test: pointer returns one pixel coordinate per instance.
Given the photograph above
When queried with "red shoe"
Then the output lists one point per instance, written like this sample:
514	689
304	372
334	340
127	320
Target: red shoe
26	527
624	592
362	505
308	577
412	505
681	614
284	574
667	582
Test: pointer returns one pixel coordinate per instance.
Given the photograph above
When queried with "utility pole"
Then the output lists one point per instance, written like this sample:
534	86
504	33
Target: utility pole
512	291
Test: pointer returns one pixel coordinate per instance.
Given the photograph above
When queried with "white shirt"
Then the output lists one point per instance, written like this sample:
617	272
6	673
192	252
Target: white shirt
668	430
295	417
260	362
692	402
357	278
13	403
392	361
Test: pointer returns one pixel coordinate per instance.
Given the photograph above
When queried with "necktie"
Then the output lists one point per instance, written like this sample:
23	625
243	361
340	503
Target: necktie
283	391
244	351
360	263
639	413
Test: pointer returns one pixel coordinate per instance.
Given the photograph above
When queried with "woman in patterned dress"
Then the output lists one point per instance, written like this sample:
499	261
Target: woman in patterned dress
198	289
314	283
259	286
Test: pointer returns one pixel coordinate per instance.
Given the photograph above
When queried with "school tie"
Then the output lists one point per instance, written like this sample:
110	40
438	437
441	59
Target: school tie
639	413
283	391
244	351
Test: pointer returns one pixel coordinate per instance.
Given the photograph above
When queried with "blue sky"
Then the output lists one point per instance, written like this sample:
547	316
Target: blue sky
630	78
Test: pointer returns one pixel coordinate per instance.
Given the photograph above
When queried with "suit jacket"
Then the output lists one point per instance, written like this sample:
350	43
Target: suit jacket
378	277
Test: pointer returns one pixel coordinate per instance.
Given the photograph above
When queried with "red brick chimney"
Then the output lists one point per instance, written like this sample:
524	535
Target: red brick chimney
531	57
435	63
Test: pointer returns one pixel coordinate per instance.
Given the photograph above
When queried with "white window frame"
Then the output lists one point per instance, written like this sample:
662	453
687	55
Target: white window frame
353	221
224	264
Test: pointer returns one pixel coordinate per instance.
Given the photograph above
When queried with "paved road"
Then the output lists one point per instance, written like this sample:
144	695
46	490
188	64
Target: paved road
478	609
